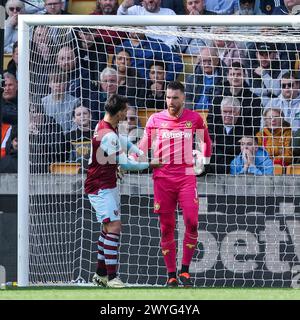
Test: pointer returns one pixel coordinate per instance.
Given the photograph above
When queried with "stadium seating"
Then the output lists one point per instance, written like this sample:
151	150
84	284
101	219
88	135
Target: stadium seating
65	168
189	62
81	6
293	169
7	58
278	170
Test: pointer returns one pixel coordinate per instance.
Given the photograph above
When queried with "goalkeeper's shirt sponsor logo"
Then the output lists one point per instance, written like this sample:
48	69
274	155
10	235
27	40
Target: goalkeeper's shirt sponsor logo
176	135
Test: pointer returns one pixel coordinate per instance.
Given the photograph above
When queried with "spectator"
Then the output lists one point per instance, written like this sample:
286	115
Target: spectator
131	128
91	51
222	6
12	66
196	7
42	57
79	83
252	159
151	7
47	141
107	85
246	7
266	76
193	45
237	87
130	83
60	104
285	53
143	50
228	51
111	38
109	81
206	81
9	163
225	136
10	99
55	7
276	137
108	7
269	6
175	5
13	9
288	7
289	100
80	137
134	124
156	87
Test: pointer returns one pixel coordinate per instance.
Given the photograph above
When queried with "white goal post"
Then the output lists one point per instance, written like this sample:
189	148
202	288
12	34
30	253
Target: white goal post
240	251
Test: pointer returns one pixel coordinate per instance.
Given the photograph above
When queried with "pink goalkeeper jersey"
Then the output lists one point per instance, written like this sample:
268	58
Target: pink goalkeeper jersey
172	141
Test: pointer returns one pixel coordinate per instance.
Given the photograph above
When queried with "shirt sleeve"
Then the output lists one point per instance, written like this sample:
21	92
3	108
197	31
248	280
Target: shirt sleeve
110	144
131	164
127	145
111	147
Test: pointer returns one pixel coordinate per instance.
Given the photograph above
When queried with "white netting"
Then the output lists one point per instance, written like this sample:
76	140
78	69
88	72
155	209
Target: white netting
249	224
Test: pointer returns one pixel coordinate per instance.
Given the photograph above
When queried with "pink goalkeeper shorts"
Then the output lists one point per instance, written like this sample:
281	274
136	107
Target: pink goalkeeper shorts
168	191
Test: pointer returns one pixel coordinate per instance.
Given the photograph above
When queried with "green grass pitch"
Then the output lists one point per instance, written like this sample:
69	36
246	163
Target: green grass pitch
93	293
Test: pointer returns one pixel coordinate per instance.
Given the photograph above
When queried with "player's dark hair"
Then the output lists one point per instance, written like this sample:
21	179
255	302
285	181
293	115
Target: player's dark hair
176	85
115	103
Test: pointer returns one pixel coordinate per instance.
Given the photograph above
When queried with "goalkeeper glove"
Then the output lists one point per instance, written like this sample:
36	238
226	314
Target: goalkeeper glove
201	164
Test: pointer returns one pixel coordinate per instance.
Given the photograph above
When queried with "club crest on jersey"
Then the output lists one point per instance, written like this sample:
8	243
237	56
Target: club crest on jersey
164	124
156	206
188	124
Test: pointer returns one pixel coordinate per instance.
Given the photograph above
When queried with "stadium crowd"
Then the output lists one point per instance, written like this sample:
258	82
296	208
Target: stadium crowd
249	92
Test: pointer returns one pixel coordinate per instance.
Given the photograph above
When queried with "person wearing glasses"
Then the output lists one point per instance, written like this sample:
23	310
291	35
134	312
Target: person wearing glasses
55	7
13	9
289	100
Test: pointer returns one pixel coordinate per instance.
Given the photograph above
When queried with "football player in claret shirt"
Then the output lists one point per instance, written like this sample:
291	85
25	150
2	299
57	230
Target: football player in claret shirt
107	153
173	131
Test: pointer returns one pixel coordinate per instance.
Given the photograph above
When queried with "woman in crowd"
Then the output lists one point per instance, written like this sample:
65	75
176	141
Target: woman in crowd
276	137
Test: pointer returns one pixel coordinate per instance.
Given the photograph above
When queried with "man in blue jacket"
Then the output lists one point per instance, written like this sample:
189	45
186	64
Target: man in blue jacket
144	50
252	159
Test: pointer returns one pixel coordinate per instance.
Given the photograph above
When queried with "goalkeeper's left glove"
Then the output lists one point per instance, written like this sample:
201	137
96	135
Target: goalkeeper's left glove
201	164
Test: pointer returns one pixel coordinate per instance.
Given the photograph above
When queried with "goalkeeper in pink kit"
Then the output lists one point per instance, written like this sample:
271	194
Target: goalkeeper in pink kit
172	134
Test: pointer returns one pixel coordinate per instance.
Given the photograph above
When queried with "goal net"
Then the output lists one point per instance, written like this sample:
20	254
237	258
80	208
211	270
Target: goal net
244	81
